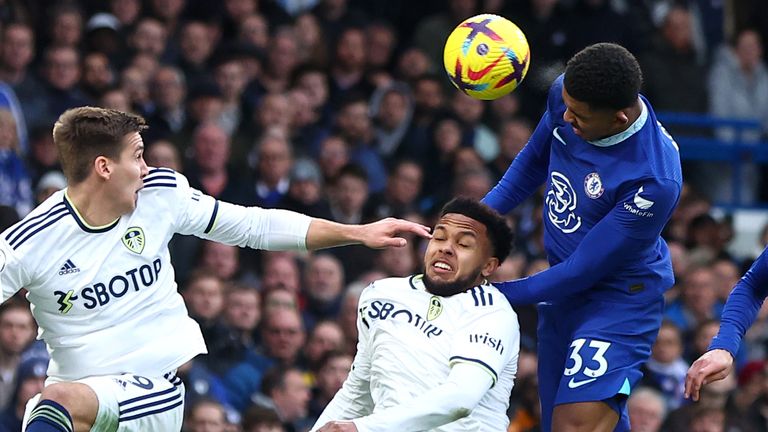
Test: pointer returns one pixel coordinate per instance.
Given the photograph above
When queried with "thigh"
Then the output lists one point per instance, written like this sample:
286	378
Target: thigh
609	344
129	403
584	417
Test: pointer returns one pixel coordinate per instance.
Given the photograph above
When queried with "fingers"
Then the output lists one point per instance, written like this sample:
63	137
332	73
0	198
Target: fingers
412	227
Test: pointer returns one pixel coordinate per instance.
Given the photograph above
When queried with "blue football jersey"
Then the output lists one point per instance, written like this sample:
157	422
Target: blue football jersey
605	205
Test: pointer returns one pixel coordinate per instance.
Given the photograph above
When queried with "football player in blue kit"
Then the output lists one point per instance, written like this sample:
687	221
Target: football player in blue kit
613	178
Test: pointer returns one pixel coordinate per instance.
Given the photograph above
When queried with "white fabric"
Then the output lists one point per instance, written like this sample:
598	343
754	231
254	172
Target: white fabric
131	403
409	343
104	309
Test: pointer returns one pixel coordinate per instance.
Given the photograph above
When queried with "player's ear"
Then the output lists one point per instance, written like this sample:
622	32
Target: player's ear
622	117
102	167
490	266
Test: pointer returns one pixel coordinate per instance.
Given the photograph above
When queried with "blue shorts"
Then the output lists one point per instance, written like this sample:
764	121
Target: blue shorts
592	351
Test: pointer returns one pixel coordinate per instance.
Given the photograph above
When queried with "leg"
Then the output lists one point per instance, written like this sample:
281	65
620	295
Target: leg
584	417
551	360
79	402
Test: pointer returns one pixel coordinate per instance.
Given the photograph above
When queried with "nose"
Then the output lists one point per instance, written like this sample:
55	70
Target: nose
144	168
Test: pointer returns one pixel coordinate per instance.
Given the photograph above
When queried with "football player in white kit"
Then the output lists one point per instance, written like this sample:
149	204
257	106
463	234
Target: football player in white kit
436	351
94	259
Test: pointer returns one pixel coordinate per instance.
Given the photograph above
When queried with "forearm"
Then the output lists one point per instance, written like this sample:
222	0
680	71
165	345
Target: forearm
455	399
325	234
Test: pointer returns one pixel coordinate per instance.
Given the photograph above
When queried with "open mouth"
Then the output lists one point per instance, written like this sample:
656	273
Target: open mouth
442	267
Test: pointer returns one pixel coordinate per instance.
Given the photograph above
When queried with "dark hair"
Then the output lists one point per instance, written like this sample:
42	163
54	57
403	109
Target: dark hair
604	75
83	134
499	233
352	170
260	416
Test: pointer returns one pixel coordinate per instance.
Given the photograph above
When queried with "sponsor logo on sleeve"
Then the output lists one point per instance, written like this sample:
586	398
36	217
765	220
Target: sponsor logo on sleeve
640	205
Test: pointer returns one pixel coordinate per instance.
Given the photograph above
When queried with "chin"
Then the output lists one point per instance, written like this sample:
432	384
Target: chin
448	288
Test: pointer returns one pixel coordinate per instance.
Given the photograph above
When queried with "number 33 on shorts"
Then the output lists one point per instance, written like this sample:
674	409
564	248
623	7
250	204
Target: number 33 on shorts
588	357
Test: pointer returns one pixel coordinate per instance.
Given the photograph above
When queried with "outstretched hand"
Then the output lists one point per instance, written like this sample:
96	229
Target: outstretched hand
338	426
711	366
385	233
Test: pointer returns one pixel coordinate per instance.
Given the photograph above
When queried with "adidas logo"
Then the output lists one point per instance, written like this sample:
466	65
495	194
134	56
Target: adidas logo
68	268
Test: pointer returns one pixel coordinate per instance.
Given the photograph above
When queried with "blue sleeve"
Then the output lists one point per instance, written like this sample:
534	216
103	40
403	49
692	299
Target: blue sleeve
631	227
742	306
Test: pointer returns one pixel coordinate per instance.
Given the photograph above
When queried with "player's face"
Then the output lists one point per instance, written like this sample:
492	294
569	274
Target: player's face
127	173
591	124
459	255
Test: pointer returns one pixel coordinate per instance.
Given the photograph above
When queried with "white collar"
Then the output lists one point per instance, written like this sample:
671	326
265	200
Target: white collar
621	136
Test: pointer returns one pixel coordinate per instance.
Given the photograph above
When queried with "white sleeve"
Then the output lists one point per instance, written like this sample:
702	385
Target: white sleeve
206	217
456	398
12	274
354	399
489	339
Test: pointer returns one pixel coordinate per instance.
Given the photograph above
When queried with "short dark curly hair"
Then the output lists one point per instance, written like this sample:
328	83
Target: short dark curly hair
499	232
604	75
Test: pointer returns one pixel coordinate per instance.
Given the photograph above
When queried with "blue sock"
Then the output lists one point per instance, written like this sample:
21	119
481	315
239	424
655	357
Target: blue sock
49	416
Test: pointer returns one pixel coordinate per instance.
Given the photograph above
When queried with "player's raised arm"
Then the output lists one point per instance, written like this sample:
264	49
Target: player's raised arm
740	312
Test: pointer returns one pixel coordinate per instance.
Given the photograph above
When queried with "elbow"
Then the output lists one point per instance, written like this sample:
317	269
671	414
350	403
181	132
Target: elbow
459	412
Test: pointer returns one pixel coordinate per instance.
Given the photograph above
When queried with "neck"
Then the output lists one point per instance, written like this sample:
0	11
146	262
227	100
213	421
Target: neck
89	201
8	359
12	76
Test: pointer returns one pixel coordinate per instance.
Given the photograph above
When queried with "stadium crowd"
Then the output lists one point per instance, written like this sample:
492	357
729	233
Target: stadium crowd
341	109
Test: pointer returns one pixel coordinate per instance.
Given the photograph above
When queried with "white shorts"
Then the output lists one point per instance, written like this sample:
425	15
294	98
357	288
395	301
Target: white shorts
133	403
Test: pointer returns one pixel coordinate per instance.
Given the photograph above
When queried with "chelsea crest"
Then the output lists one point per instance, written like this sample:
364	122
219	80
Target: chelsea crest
593	186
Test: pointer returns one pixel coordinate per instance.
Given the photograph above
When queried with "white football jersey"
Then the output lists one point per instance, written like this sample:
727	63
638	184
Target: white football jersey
105	298
409	339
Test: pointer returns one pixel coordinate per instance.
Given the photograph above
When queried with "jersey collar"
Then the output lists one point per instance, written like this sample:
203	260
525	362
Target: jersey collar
81	221
417	282
631	130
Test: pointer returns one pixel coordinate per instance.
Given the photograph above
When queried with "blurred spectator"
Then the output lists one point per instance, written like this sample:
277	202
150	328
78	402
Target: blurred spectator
289	395
167	11
196	42
204	297
698	301
61	75
206	416
305	193
135	84
395	262
126	11
29	381
15	184
102	35
313	48
381	40
433	30
665	370
242	311
254	31
274	159
470	112
647	410
116	99
220	259
347	317
525	412
17	50
674	79
280	271
348	67
66	25
401	194
323	286
326	337
282	59
168	93
209	169
355	126
261	419
279	299
332	370
230	77
97	75
513	136
50	183
163	154
283	335
149	37
334	155
392	110
17	331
